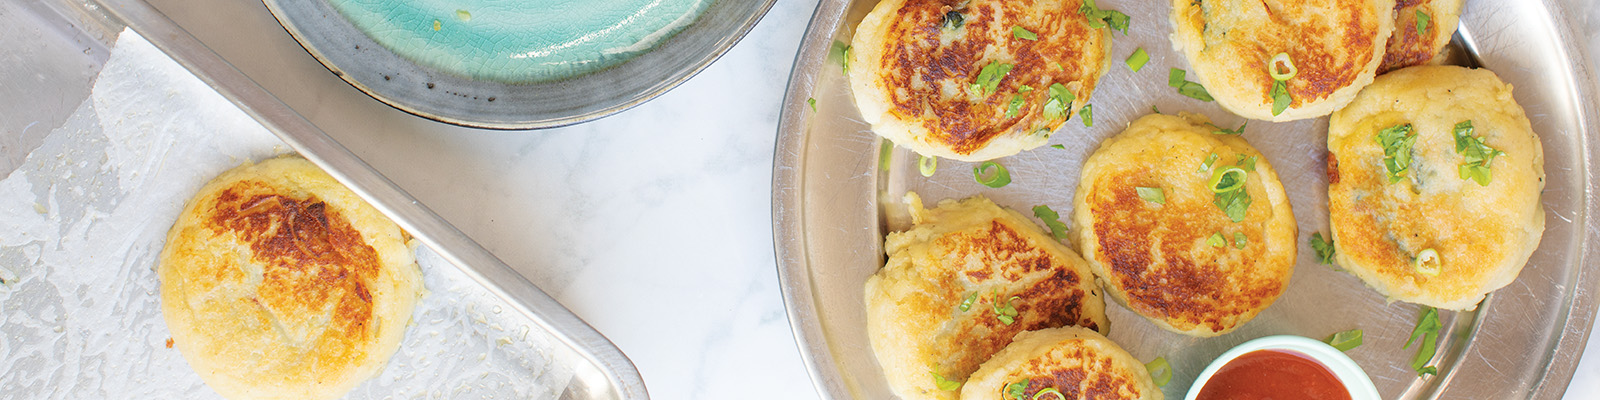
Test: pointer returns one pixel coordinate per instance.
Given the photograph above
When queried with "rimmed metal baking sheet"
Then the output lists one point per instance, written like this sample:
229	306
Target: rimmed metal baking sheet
832	204
476	296
453	99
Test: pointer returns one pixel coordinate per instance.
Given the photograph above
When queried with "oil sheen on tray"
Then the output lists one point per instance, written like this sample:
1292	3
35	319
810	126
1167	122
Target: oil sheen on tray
519	41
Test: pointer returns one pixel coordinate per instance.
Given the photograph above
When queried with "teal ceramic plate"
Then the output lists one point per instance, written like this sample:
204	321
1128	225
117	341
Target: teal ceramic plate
435	62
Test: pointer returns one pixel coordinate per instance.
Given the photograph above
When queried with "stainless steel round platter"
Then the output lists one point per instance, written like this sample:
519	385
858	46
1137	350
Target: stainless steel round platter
835	195
444	97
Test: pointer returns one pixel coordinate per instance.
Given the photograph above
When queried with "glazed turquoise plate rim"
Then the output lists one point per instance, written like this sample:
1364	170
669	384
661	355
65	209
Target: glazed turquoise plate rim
440	96
1350	374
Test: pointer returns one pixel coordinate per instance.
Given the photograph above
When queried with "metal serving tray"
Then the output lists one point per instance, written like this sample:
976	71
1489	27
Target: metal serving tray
832	205
64	43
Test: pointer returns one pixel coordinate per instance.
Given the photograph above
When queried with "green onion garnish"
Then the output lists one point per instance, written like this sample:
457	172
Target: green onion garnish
1249	163
1098	18
1427	262
1137	60
1238	240
1052	220
1427	329
944	384
1059	146
966	304
885	154
1288	70
1087	112
1422	22
1324	248
989	78
1397	142
1344	341
1151	194
1280	97
1211	159
1227	179
813	102
1160	371
1060	101
927	165
1004	311
1045	391
1175	78
1017	100
1016	390
1226	131
1234	203
991	174
1477	155
1216	240
954	20
1021	33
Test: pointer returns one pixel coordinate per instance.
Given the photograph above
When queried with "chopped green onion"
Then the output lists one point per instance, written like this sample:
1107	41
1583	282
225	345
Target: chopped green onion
1016	390
1344	341
1017	101
463	15
844	62
1397	142
1151	194
1282	59
1060	101
1280	97
813	103
944	384
1052	220
1427	370
1216	240
1021	33
1422	22
1211	159
1056	66
836	54
966	304
1160	371
1098	18
1137	60
1227	179
989	77
1087	112
1005	312
885	154
1226	131
1045	391
954	20
1238	240
926	165
1324	248
1249	163
1154	109
1059	146
1427	262
1427	330
997	176
1477	155
1175	78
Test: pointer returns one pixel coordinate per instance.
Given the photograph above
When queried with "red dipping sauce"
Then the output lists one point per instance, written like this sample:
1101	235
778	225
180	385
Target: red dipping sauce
1273	375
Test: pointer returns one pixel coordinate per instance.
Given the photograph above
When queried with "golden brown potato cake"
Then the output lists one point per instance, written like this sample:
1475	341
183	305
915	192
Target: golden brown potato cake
1335	46
916	67
1075	362
1481	234
941	303
280	283
1420	44
1183	262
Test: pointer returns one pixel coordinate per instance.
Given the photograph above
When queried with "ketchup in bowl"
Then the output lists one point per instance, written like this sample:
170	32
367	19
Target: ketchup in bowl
1274	374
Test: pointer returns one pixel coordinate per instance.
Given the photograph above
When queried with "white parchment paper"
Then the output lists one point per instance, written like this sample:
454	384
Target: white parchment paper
83	220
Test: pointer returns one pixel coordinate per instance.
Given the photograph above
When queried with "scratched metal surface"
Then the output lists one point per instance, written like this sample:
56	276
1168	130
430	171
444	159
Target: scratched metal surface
832	205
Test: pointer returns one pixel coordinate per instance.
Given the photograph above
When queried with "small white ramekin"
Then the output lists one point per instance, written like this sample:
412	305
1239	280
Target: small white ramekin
1355	380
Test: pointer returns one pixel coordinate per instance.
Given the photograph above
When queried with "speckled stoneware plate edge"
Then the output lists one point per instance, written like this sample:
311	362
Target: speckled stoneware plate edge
826	202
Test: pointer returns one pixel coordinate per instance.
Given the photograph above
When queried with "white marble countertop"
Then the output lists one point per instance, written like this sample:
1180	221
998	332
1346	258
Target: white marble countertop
654	225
